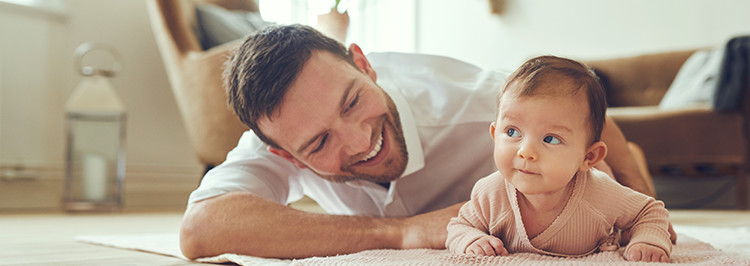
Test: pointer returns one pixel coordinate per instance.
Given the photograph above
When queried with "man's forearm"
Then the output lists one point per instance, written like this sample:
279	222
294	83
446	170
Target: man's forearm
621	160
242	223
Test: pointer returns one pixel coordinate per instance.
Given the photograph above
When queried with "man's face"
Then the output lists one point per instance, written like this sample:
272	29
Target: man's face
336	121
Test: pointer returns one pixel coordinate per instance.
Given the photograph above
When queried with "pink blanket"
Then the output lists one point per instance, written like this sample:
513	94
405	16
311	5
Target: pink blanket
687	251
733	242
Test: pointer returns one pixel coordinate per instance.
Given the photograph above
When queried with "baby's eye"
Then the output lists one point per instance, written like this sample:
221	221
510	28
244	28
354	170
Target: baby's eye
513	133
551	140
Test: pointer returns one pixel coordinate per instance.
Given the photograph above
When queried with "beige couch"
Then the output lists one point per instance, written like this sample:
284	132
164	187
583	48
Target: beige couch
681	140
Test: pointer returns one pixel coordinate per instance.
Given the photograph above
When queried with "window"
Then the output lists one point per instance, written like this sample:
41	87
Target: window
384	25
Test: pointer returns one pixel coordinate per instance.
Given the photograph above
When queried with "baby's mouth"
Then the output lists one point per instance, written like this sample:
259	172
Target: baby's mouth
526	172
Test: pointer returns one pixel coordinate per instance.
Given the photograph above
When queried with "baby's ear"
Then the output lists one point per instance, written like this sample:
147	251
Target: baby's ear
594	154
492	130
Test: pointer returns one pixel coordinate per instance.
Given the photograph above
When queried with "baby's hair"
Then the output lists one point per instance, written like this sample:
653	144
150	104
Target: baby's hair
574	77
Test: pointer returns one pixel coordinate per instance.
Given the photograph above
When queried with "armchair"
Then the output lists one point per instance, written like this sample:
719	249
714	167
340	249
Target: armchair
195	76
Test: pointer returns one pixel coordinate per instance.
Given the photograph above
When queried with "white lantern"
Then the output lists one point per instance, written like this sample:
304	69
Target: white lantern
95	155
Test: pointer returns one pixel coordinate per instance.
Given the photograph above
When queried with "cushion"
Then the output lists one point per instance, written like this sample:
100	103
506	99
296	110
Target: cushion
218	25
696	82
733	75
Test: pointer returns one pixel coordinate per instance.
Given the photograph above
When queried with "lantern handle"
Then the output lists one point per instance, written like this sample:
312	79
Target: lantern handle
87	47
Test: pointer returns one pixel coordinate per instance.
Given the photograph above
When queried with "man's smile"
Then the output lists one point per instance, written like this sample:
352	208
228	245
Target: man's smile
378	152
375	150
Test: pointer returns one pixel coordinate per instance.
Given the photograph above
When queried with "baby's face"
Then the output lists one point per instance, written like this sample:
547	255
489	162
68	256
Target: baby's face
541	141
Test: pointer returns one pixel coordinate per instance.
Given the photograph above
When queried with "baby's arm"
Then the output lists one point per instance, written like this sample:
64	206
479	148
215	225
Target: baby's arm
469	232
645	252
650	238
465	229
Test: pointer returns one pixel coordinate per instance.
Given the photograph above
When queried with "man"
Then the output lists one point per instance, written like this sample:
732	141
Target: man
390	149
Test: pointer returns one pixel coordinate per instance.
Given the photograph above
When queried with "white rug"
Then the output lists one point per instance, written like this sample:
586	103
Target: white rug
695	246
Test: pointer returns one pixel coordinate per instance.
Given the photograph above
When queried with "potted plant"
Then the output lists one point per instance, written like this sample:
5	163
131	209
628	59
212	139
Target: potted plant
334	23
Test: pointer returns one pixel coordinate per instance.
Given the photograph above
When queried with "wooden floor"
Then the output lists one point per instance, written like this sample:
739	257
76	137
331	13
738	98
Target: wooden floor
47	239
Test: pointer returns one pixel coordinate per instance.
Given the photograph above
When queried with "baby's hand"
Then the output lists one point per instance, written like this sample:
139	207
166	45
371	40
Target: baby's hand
646	252
487	245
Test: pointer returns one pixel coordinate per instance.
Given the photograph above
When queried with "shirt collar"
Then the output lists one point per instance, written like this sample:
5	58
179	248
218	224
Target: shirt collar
409	127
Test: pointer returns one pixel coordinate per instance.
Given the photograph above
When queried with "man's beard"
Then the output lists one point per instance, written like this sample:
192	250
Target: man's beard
393	167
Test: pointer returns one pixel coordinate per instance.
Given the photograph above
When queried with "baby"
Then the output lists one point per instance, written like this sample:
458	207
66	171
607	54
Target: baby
546	198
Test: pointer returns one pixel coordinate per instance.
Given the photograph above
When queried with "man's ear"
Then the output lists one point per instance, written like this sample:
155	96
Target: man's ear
361	61
492	130
595	153
287	156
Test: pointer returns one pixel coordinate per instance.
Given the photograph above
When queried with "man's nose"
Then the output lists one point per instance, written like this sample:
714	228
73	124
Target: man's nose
527	151
356	137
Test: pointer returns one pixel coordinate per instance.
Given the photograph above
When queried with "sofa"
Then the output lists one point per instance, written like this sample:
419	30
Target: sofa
694	142
690	142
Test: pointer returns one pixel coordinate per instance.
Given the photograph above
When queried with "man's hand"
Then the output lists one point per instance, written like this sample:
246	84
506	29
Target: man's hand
626	160
646	252
428	230
488	246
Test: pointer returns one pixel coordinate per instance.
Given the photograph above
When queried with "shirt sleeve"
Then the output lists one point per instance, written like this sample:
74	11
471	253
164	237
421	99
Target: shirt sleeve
250	167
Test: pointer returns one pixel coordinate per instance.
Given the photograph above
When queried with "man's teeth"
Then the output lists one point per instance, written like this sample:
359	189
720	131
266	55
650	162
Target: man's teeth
375	150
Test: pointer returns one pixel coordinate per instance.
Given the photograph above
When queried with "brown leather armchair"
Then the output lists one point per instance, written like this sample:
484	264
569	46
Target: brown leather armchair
691	142
195	76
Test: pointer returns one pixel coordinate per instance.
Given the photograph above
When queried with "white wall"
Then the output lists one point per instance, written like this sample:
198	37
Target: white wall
30	117
29	87
38	76
582	29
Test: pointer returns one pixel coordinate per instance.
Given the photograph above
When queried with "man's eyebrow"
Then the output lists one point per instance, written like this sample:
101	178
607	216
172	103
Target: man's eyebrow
342	105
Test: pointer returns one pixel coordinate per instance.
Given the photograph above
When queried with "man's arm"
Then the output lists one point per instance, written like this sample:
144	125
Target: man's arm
621	160
243	223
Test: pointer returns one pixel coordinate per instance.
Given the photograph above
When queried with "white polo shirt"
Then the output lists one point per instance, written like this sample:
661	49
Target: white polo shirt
445	106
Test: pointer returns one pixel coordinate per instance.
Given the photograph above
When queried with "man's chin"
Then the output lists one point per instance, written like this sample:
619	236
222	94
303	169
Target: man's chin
370	178
390	169
389	176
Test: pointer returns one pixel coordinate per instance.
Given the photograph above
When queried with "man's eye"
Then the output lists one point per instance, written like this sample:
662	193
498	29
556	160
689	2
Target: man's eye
513	133
552	140
353	103
321	144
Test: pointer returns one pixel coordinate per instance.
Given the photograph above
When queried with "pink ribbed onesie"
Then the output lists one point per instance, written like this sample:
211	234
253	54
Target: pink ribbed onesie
589	221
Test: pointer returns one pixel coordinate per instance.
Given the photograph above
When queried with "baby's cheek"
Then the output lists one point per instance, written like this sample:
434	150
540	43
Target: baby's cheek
504	164
501	157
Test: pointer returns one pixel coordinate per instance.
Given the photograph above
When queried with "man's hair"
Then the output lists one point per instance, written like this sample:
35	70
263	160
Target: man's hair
574	76
263	67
